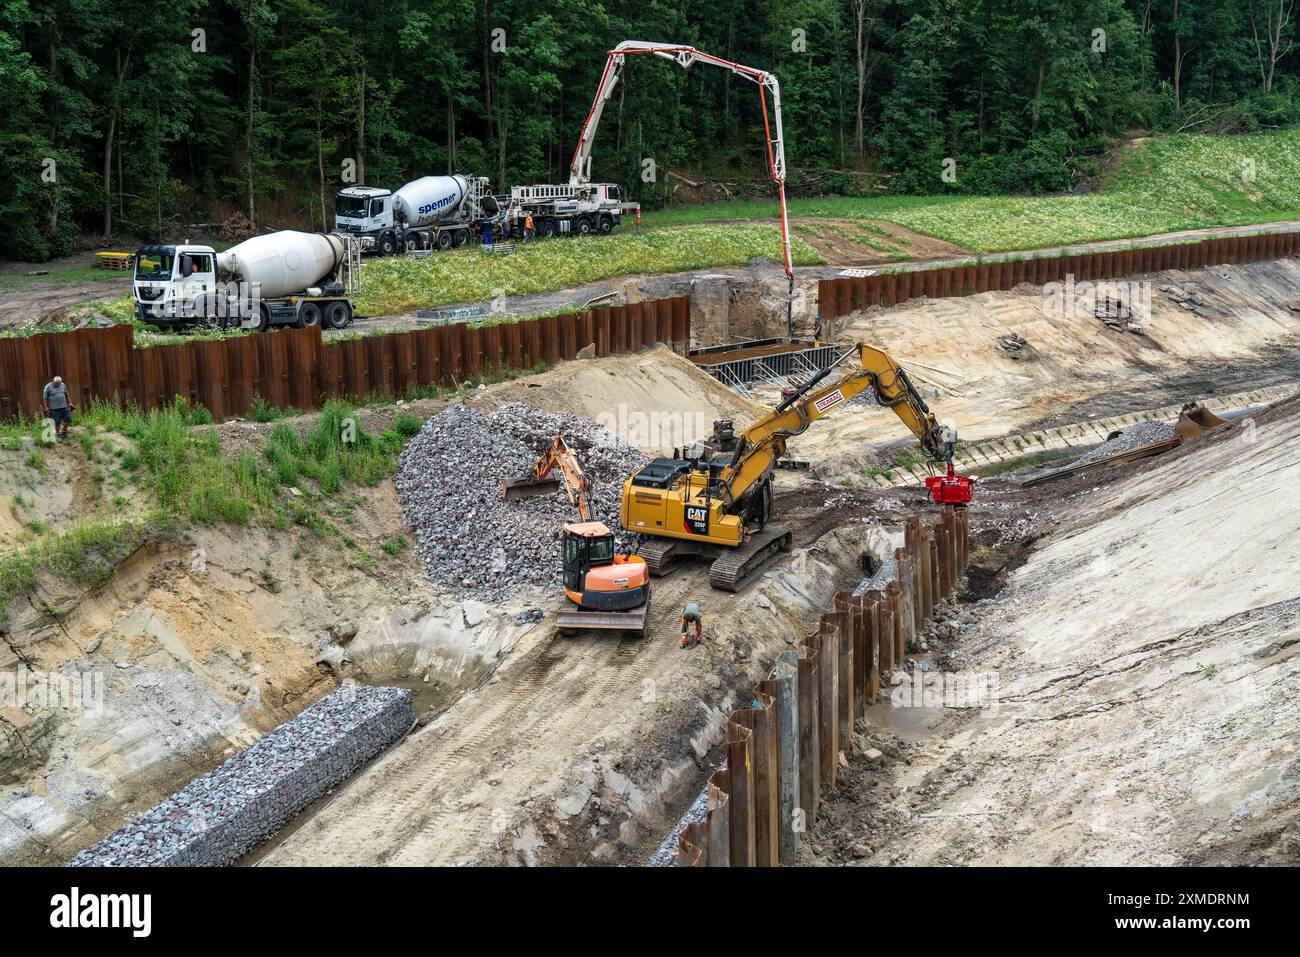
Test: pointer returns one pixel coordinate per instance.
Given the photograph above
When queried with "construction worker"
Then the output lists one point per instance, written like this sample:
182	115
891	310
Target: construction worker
691	618
529	232
57	405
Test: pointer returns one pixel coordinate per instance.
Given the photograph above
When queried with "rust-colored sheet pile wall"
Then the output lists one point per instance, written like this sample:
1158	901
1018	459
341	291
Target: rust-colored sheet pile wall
841	296
784	750
296	367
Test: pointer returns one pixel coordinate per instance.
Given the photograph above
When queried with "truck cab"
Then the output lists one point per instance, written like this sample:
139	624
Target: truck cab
174	284
367	213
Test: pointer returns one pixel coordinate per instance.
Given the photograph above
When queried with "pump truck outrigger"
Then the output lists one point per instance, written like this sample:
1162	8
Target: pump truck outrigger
719	503
604	590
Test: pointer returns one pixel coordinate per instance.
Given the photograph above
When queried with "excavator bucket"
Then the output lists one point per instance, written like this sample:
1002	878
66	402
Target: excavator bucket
528	487
1195	419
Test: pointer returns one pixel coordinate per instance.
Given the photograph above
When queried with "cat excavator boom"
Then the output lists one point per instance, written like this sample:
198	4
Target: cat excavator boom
720	503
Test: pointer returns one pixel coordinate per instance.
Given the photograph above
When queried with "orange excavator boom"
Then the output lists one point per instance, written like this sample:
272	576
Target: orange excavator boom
542	480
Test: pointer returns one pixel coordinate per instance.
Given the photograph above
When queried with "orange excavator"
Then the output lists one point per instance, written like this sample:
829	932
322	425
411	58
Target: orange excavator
605	590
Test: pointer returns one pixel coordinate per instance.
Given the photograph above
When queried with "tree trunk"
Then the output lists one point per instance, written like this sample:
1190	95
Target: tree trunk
122	66
252	84
451	133
361	125
1038	89
859	16
320	166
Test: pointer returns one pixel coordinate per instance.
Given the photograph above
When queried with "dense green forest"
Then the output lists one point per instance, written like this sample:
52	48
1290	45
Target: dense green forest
131	116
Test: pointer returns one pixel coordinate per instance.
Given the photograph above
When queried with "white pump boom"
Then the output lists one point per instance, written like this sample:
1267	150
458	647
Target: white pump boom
685	57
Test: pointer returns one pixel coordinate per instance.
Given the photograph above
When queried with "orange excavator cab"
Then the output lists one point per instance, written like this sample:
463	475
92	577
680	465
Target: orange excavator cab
596	577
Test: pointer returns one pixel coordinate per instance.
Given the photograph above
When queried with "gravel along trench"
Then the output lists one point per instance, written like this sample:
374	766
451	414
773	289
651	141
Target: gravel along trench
449	485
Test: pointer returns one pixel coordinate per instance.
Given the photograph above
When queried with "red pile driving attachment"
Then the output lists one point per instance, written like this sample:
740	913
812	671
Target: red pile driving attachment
950	489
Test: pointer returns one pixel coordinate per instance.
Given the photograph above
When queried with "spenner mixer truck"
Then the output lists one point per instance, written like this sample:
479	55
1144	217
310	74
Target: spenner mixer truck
433	212
282	278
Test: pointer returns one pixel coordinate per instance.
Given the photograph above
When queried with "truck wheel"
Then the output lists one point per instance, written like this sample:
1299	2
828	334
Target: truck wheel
308	315
444	240
459	238
387	244
583	226
338	314
547	229
606	225
263	317
412	242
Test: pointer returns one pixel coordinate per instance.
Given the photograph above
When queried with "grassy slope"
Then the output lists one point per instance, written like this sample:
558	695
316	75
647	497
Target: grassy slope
1161	185
174	454
398	284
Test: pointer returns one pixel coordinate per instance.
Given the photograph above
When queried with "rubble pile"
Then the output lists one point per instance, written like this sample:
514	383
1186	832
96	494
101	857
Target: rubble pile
449	485
216	819
1142	433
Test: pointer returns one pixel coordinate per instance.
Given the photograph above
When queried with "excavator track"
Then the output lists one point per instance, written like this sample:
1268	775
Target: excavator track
659	554
737	565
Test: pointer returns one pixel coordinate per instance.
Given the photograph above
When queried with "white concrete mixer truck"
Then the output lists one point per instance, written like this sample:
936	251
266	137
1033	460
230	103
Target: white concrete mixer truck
285	278
433	212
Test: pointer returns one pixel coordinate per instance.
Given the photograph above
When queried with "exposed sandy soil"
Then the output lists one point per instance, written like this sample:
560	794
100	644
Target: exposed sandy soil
203	644
861	242
1144	657
1243	335
654	400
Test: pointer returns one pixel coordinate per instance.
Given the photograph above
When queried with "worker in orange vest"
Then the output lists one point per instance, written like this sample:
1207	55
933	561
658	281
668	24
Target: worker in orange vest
529	232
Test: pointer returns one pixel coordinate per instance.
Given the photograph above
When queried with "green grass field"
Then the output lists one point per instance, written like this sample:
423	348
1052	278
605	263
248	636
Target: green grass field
470	275
16	280
1161	185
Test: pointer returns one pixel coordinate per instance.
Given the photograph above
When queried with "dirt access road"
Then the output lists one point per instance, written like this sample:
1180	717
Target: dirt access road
64	284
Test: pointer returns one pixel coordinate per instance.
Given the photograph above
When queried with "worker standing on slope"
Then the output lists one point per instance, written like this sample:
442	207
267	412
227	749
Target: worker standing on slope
691	618
57	406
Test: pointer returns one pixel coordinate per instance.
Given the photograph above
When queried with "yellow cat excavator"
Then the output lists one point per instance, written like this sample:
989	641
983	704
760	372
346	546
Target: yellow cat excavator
719	503
605	590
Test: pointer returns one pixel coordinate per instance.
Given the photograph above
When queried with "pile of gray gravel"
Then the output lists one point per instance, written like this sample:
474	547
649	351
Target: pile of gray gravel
1142	433
216	819
449	484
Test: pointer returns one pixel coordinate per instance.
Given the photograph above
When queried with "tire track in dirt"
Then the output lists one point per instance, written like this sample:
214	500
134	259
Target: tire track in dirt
433	800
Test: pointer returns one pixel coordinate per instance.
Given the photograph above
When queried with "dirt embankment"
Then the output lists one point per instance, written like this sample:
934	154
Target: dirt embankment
1144	665
1210	331
194	647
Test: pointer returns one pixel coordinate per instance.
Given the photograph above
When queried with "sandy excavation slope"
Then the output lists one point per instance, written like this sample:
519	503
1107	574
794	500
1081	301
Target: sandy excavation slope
200	647
1242	335
1148	664
649	398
